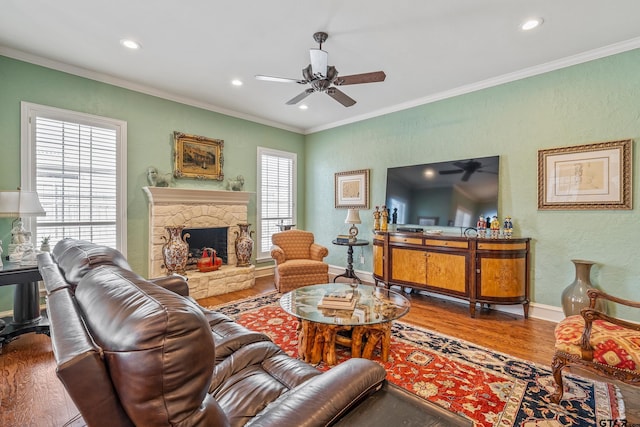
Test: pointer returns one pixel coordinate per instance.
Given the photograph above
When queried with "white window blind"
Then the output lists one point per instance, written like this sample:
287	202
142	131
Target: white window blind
276	195
74	169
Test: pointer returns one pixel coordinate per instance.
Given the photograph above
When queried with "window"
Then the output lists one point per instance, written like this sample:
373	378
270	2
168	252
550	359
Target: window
276	195
77	164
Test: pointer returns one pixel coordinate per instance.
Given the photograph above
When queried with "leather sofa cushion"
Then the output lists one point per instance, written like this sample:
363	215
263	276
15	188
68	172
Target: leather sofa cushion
80	366
157	346
76	257
260	372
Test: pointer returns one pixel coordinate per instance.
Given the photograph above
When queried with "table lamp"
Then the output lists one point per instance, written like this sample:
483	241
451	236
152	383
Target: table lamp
19	204
353	217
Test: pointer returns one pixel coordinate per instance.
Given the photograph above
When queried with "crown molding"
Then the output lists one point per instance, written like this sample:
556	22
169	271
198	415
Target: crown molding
136	87
569	61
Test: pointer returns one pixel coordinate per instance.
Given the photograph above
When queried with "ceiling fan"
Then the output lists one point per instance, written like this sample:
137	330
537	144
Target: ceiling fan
321	76
468	168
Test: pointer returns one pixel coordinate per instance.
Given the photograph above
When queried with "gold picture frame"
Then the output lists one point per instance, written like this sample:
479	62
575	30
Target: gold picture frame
591	176
197	157
352	189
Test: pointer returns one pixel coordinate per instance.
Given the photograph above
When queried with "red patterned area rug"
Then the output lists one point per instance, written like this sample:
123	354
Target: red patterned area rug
492	389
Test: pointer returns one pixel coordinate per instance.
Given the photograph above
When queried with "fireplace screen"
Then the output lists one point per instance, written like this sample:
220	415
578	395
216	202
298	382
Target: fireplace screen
215	238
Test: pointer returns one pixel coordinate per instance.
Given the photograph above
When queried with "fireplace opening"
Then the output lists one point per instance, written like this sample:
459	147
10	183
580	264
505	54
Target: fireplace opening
214	237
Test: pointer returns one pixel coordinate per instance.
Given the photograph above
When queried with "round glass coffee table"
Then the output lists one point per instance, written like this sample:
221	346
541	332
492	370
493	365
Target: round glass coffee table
361	326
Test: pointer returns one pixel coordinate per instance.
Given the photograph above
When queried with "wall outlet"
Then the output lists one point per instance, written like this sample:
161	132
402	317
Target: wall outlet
361	259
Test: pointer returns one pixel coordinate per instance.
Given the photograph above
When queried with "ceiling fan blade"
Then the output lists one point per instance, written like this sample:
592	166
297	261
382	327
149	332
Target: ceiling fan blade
278	79
376	76
466	176
319	62
341	97
299	97
451	172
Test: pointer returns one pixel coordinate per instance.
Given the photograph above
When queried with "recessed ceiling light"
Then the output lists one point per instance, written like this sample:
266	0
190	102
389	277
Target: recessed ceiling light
236	82
303	107
532	23
131	44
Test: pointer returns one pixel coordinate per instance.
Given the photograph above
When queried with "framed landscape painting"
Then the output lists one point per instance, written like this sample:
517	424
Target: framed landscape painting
197	157
591	176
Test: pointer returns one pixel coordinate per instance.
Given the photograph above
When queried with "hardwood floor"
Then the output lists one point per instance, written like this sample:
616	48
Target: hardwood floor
32	395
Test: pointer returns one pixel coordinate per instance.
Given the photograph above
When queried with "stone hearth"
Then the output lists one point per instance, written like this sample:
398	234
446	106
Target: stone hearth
191	208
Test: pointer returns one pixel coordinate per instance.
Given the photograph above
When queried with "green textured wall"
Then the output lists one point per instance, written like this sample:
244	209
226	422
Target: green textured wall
596	101
151	122
591	102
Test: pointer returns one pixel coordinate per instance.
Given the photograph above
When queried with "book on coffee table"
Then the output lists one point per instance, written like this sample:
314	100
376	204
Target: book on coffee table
338	296
338	304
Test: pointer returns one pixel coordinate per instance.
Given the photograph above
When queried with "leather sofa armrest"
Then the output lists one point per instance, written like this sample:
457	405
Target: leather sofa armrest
324	399
175	283
318	252
278	254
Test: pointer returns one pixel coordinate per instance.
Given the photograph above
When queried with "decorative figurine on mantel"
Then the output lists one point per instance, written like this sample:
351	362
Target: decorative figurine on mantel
236	184
376	219
481	225
155	179
508	227
495	227
385	219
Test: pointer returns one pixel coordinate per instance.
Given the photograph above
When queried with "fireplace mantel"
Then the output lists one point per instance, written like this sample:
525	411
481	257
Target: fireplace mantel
191	196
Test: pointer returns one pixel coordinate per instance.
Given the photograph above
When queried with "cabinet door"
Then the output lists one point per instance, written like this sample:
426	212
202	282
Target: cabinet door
408	265
378	266
502	278
447	271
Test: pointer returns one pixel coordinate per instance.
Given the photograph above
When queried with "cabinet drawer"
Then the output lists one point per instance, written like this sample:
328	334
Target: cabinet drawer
378	237
499	246
447	243
411	240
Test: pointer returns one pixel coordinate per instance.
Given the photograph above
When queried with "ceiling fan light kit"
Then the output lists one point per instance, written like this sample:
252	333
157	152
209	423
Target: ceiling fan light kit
321	76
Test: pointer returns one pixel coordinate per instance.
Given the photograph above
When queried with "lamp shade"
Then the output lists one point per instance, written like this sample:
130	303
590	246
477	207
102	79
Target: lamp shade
353	217
20	203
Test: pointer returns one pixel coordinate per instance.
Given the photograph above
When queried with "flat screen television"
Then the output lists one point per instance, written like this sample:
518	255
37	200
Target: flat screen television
445	194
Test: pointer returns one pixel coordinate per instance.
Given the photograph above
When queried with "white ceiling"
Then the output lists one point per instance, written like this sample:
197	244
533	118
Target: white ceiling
429	50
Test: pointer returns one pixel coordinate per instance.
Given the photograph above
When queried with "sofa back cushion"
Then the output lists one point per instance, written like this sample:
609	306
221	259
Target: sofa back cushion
157	346
80	366
76	257
295	243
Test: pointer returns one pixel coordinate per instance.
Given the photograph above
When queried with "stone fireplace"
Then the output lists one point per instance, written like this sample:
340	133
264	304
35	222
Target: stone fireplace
199	209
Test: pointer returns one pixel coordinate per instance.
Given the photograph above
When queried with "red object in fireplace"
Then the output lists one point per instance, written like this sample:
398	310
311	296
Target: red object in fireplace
209	261
216	260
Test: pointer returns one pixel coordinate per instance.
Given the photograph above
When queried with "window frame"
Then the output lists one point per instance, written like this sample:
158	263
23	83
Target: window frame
29	111
264	254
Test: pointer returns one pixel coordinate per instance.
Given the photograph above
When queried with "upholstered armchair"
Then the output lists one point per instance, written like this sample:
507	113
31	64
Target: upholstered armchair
299	261
600	343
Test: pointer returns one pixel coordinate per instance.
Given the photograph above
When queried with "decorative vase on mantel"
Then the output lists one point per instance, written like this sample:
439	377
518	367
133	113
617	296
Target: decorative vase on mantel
244	246
175	250
574	297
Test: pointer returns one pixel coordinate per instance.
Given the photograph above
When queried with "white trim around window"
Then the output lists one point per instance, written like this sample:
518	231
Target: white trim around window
116	131
277	195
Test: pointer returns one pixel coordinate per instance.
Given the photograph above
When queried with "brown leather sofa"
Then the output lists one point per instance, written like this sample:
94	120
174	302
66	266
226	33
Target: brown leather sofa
133	352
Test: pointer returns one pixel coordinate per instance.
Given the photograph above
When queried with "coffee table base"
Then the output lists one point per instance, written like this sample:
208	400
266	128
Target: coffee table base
317	341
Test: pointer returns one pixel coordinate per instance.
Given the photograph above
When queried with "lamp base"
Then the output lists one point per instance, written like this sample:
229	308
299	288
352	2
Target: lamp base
353	233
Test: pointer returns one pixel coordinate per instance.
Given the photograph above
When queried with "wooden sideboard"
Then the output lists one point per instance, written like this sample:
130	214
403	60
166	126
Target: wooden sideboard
484	271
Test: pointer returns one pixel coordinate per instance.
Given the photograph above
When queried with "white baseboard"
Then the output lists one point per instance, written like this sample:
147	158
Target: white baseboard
264	271
536	310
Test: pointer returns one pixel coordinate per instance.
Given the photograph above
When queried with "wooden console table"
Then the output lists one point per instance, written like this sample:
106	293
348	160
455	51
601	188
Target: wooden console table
479	270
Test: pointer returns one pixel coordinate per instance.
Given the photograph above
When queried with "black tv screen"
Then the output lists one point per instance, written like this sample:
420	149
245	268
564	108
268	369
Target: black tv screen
454	193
